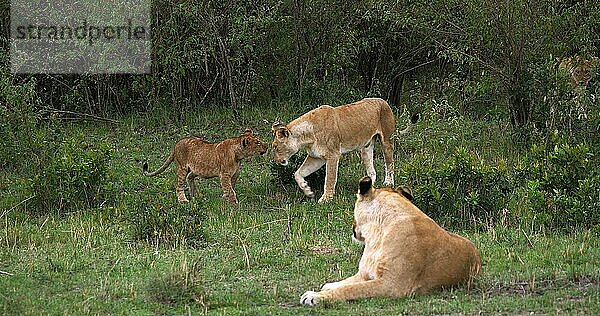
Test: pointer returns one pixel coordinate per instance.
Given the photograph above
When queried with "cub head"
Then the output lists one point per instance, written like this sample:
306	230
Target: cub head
284	144
252	145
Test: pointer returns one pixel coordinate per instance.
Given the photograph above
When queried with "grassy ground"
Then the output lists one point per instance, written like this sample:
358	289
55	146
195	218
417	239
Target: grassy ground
259	258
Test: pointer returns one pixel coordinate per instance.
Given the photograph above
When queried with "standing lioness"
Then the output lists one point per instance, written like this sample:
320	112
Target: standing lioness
405	251
328	132
195	157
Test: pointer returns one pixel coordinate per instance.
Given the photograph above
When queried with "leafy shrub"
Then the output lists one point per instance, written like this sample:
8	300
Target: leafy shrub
561	187
19	118
73	177
462	192
163	221
572	111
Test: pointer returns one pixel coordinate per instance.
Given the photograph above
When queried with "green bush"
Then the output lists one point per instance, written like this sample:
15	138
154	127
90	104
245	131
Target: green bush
21	136
161	221
560	187
560	107
73	177
462	192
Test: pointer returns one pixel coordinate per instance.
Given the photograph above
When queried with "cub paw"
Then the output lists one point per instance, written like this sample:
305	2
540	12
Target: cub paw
310	298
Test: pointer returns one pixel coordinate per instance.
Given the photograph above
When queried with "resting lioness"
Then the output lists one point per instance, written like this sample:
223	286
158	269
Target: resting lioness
328	132
195	157
405	251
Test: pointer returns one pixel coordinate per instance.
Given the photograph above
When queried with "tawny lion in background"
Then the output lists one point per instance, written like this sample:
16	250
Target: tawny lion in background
197	158
405	251
328	132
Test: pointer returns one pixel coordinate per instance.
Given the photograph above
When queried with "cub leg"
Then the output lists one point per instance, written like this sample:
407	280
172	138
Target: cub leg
191	181
310	165
371	288
388	156
330	179
366	155
182	173
227	186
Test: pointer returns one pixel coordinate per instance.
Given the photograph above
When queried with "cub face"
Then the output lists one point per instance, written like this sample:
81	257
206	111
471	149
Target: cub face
252	145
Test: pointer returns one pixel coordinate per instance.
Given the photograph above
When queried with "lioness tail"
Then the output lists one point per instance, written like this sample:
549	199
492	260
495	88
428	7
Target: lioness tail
161	169
413	120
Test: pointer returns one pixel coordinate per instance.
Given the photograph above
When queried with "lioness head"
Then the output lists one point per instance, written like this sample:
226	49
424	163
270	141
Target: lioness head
252	145
366	192
284	145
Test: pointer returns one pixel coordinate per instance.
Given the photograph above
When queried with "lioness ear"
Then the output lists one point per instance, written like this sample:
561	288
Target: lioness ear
406	191
276	126
284	132
365	184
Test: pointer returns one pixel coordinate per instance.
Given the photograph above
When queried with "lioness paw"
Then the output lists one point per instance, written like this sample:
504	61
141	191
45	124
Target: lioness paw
325	199
310	298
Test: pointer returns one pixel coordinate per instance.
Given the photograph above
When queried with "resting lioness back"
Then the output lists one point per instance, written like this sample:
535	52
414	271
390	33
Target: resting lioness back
328	132
197	158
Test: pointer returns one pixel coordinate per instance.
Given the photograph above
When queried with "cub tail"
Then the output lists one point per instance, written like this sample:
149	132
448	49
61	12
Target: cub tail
160	170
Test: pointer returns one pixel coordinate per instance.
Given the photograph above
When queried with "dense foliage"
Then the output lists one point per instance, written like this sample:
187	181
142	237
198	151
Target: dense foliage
479	59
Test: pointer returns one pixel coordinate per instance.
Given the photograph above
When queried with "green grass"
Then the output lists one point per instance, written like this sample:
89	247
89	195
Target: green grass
259	258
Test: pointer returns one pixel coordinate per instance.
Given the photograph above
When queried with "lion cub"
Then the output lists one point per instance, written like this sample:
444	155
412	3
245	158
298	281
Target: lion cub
405	251
195	157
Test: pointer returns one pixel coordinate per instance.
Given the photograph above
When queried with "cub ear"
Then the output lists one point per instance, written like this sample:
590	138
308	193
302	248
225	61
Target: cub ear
406	191
365	185
248	131
245	142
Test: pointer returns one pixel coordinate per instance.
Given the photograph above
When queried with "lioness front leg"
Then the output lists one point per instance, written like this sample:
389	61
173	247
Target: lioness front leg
331	174
310	165
370	288
353	279
227	186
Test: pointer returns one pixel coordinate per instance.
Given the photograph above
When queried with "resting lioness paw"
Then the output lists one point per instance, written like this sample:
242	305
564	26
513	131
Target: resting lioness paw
328	132
197	158
405	251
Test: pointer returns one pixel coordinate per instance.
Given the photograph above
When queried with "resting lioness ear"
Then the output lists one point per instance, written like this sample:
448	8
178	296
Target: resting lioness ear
406	191
365	185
